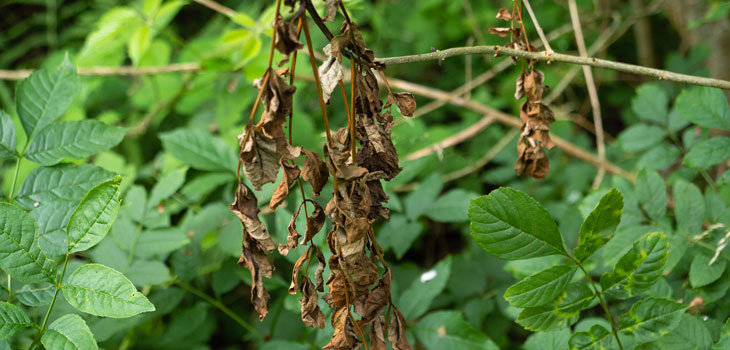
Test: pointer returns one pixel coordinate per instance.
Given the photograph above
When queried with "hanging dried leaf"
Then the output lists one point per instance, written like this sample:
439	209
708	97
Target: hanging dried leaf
533	85
377	152
287	40
378	299
357	228
291	173
504	14
293	286
405	102
536	119
259	157
397	331
314	171
277	100
377	335
532	161
256	262
314	222
318	280
503	32
520	86
339	158
331	7
312	316
343	338
246	209
330	72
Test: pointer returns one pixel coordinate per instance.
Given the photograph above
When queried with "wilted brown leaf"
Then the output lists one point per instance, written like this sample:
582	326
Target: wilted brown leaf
532	161
314	222
277	100
331	7
405	102
533	85
256	262
293	286
503	32
314	171
378	299
259	157
330	72
504	14
377	336
291	173
397	331
343	338
312	316
246	209
287	40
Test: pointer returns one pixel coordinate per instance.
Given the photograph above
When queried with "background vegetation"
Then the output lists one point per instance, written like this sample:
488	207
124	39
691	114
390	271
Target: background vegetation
177	160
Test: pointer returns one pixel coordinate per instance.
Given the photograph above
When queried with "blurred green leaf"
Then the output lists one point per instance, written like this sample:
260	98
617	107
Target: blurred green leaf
651	193
7	136
702	273
69	332
447	330
704	106
78	139
199	150
708	152
416	300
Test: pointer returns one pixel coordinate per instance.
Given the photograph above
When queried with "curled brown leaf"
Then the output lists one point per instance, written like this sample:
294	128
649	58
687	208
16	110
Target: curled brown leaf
397	331
314	171
504	14
259	157
405	102
254	259
312	316
287	40
246	209
291	173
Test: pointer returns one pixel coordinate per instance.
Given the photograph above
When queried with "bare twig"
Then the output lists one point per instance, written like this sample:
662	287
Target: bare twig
104	71
217	7
592	91
454	139
544	40
558	57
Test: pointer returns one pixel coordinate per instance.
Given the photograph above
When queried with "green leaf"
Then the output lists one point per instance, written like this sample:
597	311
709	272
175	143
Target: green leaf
640	137
77	139
597	337
650	103
416	300
651	193
512	226
139	42
690	334
166	186
408	232
69	332
701	273
447	330
12	319
35	296
199	150
166	13
651	318
552	340
559	314
418	201
43	97
704	106
103	291
243	19
160	241
638	269
708	152
540	288
451	207
600	225
7	136
689	208
21	256
724	342
93	218
61	183
111	33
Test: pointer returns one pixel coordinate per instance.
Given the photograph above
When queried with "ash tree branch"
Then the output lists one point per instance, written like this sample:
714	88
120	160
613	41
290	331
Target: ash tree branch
558	57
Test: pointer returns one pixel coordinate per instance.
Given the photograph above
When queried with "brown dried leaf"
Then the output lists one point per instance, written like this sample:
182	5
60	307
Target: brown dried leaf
277	100
314	222
292	240
293	286
314	171
504	14
246	209
259	157
397	331
287	40
256	262
532	161
331	6
357	228
377	299
533	85
377	152
520	86
405	101
291	173
343	338
318	280
330	72
503	32
312	316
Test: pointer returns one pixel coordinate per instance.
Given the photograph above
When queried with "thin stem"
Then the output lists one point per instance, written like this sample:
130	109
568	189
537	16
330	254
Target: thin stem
53	302
592	92
558	57
537	26
609	316
353	114
15	179
219	306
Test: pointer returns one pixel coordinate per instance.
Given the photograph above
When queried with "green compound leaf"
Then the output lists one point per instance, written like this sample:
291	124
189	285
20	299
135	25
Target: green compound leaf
447	330
701	273
12	319
69	332
689	208
103	291
416	300
44	96
21	256
199	150
690	334
708	153
651	193
7	136
638	269
540	288
651	318
93	218
60	183
599	226
704	106
559	314
512	226
640	137
77	139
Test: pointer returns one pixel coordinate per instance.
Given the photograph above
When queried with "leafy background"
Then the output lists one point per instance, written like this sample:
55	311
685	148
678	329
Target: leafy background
176	240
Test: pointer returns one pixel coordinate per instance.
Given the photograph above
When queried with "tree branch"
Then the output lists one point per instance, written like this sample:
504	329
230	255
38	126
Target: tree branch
103	71
558	57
